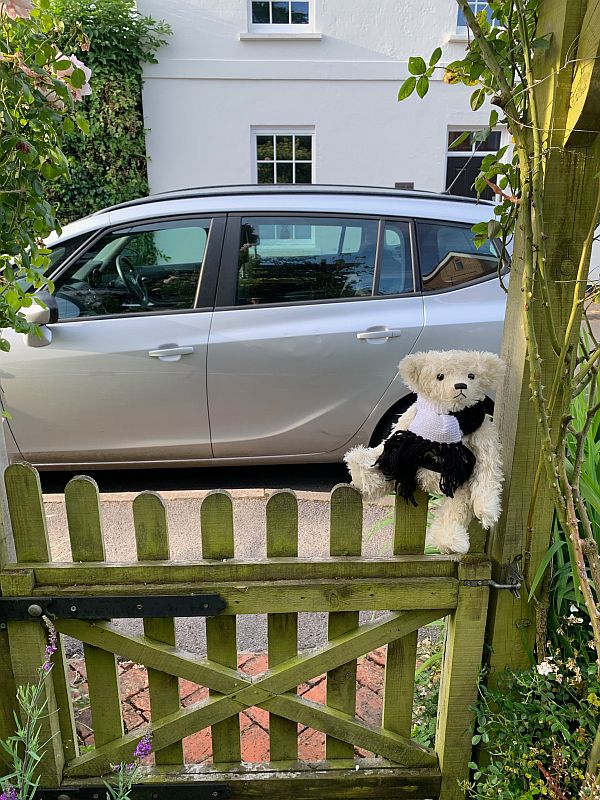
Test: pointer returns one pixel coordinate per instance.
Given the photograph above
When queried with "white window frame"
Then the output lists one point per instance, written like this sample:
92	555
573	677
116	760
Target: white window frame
462	31
290	28
298	130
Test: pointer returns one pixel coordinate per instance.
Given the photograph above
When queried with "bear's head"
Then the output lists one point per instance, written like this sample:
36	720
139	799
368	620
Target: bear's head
452	379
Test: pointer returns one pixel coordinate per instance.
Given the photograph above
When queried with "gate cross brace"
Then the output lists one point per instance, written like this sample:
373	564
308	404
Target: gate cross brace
272	690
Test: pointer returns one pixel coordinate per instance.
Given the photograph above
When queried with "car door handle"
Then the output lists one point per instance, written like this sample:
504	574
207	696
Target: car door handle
170	351
386	333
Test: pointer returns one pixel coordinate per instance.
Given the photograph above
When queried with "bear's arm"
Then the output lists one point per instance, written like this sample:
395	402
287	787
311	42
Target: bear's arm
404	420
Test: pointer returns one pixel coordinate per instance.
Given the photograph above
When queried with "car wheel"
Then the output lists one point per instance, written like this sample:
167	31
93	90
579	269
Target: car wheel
385	425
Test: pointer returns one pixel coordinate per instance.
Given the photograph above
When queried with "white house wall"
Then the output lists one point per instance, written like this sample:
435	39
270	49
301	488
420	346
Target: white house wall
211	88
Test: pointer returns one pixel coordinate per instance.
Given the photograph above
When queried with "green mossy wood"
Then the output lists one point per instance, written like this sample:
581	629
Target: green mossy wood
413	588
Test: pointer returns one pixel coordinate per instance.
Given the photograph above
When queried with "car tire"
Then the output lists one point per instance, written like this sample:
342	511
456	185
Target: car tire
385	425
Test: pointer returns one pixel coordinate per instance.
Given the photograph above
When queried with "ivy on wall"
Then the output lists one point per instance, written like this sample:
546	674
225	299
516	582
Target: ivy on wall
108	166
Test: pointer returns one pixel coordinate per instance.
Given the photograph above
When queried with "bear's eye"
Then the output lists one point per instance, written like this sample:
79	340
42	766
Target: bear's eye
440	376
470	376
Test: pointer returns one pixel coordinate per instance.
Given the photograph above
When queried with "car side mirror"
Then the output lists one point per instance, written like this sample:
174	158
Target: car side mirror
42	316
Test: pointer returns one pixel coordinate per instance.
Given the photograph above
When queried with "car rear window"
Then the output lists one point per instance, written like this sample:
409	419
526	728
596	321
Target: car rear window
449	256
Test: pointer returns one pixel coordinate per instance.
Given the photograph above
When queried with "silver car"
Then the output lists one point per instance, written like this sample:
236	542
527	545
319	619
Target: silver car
254	324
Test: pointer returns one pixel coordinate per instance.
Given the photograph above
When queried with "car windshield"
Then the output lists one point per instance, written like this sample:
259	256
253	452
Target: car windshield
59	251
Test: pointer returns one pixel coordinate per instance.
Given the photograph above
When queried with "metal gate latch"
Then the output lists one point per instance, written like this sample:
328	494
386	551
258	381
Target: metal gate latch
511	575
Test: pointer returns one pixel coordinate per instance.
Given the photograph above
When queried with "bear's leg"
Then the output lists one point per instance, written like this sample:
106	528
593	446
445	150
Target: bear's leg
448	529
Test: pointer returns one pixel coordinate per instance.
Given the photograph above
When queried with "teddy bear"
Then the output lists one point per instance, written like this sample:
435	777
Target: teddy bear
445	442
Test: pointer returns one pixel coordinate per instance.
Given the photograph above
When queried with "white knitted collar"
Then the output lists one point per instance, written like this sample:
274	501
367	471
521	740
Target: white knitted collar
435	424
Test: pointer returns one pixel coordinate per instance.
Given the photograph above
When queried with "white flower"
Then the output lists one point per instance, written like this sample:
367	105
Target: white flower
17	8
82	91
545	668
573	608
573	620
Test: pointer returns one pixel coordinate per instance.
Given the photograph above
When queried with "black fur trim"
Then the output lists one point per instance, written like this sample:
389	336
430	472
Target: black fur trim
470	418
405	452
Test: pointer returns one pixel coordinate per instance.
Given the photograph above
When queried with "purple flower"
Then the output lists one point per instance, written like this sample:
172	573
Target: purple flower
9	793
51	647
144	747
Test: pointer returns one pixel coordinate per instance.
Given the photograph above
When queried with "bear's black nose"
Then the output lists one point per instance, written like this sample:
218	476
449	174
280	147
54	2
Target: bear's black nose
460	385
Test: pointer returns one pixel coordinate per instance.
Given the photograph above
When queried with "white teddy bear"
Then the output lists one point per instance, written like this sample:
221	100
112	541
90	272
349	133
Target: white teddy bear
445	442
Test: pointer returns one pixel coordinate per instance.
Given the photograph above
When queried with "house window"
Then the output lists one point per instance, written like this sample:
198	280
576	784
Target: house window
278	12
284	157
464	162
476	7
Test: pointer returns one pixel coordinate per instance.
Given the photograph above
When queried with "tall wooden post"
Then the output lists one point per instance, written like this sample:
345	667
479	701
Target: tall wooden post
568	99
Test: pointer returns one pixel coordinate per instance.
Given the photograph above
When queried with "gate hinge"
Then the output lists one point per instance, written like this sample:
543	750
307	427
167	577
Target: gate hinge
192	790
511	575
111	607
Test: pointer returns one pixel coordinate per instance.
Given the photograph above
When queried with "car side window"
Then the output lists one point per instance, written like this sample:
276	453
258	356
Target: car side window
449	256
395	271
292	259
149	268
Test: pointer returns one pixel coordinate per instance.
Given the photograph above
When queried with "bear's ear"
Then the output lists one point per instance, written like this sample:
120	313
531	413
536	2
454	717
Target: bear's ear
491	369
410	369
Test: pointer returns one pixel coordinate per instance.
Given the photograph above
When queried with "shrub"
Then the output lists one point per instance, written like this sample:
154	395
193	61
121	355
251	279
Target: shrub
538	726
110	165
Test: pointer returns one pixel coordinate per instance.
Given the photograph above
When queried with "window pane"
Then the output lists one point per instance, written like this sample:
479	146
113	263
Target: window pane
476	7
491	143
396	274
152	270
303	173
300	13
450	257
303	148
265	173
260	13
264	148
281	13
284	148
293	259
460	176
465	146
285	173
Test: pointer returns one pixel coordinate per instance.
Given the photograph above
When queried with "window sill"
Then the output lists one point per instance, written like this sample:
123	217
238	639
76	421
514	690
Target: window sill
270	37
459	38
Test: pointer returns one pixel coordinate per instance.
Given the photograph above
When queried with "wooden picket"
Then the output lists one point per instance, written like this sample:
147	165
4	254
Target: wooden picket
415	589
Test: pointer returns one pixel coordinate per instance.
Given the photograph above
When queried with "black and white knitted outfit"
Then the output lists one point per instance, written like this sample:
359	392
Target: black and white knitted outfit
433	441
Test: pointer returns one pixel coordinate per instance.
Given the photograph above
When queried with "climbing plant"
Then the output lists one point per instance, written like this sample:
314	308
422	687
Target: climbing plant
41	87
109	165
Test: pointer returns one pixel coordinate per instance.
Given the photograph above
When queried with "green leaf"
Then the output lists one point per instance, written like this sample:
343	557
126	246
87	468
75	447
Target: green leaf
77	78
459	140
542	42
494	229
407	88
82	124
416	65
422	86
435	56
63	63
477	99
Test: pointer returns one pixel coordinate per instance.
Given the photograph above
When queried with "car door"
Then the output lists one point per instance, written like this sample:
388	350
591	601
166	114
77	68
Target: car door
124	375
463	299
313	315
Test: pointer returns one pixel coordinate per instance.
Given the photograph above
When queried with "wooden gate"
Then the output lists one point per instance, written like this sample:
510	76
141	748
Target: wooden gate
414	589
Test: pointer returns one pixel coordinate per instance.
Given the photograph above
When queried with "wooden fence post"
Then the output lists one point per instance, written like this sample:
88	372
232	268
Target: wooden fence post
460	673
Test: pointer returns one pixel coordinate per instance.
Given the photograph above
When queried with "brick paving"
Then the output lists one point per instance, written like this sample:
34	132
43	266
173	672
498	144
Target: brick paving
254	722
